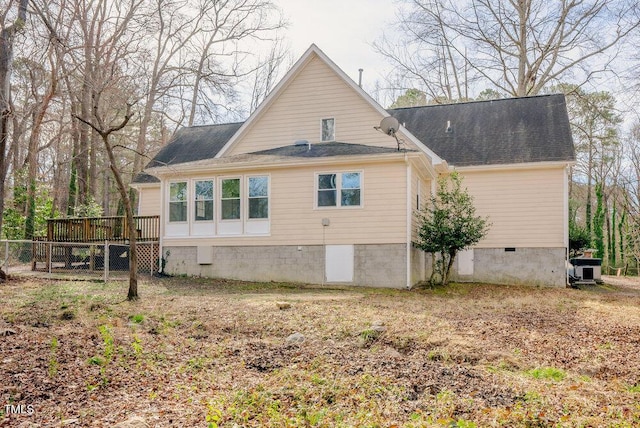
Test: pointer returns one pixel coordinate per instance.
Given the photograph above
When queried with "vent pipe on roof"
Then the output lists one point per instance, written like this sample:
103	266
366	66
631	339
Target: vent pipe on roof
449	130
300	143
360	70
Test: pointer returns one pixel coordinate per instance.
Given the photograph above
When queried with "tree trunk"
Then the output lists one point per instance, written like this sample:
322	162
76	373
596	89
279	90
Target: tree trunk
588	209
131	225
6	57
124	195
434	265
447	272
612	227
4	116
84	144
32	155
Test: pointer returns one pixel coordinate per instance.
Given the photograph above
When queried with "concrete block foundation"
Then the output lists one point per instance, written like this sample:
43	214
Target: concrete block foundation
381	265
518	266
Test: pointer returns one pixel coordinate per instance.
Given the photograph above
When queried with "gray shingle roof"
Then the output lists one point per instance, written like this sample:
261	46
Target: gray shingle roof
191	144
318	150
510	130
144	178
195	143
504	131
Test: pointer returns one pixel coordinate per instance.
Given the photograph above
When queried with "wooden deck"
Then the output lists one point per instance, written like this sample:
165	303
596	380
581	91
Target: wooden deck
100	229
78	243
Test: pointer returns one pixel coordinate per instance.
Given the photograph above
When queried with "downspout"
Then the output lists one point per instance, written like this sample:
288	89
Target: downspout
565	226
408	237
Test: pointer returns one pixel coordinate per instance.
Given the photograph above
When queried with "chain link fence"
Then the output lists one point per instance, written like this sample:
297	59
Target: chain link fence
90	258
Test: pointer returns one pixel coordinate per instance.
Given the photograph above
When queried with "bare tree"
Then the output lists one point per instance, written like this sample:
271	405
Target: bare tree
8	32
169	31
97	123
267	73
194	53
218	48
517	47
90	38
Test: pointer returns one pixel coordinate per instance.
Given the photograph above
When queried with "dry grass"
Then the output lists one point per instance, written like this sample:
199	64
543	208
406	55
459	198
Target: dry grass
195	352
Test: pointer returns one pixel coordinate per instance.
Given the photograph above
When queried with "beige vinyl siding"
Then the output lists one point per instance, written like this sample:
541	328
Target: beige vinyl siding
296	221
424	190
149	200
315	93
526	207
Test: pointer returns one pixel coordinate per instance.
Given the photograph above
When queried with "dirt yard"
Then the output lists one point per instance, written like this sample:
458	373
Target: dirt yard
194	352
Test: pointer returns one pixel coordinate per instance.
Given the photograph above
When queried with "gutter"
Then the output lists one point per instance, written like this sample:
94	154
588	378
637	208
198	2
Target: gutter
566	221
162	221
512	166
268	163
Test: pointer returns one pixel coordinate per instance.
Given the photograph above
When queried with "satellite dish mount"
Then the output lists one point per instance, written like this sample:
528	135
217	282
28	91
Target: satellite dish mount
389	126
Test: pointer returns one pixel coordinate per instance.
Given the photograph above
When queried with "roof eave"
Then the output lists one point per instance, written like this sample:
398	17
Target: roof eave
512	166
144	185
191	168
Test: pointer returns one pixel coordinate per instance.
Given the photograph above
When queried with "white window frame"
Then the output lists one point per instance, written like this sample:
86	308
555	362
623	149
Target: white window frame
339	189
232	226
248	197
169	201
322	140
195	200
257	226
203	227
217	226
220	199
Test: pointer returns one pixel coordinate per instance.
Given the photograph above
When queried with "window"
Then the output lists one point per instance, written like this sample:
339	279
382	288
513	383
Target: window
178	201
328	130
204	200
327	190
346	185
230	201
350	192
258	197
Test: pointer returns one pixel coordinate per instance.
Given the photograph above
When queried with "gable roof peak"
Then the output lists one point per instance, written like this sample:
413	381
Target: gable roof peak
315	51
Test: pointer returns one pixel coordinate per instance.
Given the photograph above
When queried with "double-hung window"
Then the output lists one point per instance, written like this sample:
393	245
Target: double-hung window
258	197
339	190
178	201
230	199
203	200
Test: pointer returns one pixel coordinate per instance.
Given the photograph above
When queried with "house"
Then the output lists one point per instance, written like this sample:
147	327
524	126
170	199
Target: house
308	190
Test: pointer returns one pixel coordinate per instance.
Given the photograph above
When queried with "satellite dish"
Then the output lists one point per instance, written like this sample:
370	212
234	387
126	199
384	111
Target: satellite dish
389	125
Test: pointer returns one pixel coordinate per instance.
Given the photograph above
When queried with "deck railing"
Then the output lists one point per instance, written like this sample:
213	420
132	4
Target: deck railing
93	229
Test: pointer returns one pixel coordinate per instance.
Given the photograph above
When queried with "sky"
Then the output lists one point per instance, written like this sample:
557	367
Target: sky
342	29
